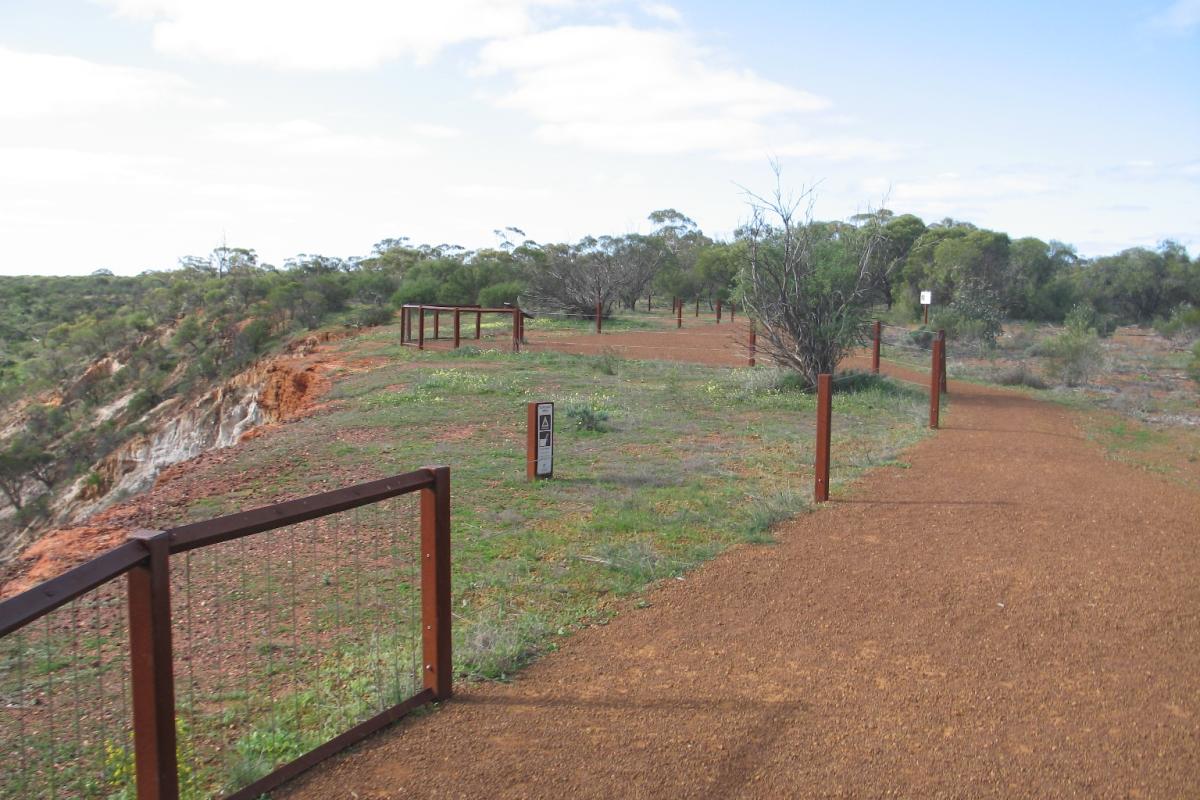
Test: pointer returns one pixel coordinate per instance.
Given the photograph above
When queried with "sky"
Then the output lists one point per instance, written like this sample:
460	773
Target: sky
134	132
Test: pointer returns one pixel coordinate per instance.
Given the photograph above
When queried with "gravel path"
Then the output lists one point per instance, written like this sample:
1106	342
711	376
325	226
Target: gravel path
1011	616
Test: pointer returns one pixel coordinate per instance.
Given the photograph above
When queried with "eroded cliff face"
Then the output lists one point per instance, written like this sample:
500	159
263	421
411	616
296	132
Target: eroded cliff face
270	391
266	393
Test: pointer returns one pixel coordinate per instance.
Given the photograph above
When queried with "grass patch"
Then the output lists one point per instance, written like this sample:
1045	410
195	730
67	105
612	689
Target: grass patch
702	459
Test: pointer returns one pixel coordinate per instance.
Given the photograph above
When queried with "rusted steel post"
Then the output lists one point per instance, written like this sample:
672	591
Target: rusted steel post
935	385
521	319
403	324
926	316
876	334
437	323
824	418
679	314
599	326
421	328
151	671
753	342
718	311
435	583
457	328
942	371
478	323
516	323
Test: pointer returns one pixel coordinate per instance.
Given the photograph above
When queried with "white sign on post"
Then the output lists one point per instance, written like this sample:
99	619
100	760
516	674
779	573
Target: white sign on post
926	298
545	440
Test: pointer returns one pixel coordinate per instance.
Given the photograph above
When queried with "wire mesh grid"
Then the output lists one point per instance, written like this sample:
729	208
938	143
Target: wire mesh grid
66	727
285	639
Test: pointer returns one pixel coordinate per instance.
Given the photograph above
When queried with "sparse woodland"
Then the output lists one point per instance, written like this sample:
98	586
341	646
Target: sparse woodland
70	346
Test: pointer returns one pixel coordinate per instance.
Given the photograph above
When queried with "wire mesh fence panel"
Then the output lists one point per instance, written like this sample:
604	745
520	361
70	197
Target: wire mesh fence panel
285	639
65	724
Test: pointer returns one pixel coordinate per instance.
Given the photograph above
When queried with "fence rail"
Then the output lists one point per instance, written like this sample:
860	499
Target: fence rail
243	649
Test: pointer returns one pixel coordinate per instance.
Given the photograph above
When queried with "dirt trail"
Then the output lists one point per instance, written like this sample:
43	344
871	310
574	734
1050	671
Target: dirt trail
1012	616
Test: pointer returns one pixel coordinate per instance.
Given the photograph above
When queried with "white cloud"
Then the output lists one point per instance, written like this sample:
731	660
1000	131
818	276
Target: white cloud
487	191
662	12
42	85
432	131
1182	16
323	35
641	91
951	188
848	148
300	137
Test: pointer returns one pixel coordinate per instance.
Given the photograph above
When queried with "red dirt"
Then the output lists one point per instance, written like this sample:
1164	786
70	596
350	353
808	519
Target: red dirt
292	387
1011	616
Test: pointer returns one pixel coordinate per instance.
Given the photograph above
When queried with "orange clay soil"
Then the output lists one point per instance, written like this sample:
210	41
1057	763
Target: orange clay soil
1011	616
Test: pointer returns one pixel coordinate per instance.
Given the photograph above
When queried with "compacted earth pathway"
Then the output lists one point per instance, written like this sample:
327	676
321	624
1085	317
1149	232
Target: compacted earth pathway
1009	616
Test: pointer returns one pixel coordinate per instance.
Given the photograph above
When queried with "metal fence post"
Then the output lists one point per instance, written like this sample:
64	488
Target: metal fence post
151	671
421	328
876	335
437	323
403	324
935	384
457	328
942	370
824	418
435	584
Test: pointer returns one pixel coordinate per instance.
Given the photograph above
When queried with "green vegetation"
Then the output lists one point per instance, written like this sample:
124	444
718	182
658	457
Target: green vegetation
649	478
83	360
1075	355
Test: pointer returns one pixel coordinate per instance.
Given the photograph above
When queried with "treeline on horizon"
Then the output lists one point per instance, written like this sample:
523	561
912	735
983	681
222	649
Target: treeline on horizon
178	330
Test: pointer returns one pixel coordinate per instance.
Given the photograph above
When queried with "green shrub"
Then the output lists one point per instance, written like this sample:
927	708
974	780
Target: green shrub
922	337
1084	316
587	416
973	315
1075	355
607	362
498	294
141	402
1184	323
370	316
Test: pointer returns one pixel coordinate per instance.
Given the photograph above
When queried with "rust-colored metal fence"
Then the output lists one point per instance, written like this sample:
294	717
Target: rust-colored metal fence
236	652
424	324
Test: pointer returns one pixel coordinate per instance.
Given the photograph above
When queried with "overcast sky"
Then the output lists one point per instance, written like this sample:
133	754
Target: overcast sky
136	131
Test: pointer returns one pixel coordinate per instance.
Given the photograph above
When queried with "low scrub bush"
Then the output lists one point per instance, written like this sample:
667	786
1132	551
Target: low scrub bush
1183	324
608	362
498	643
922	337
587	416
1020	375
371	316
1075	355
